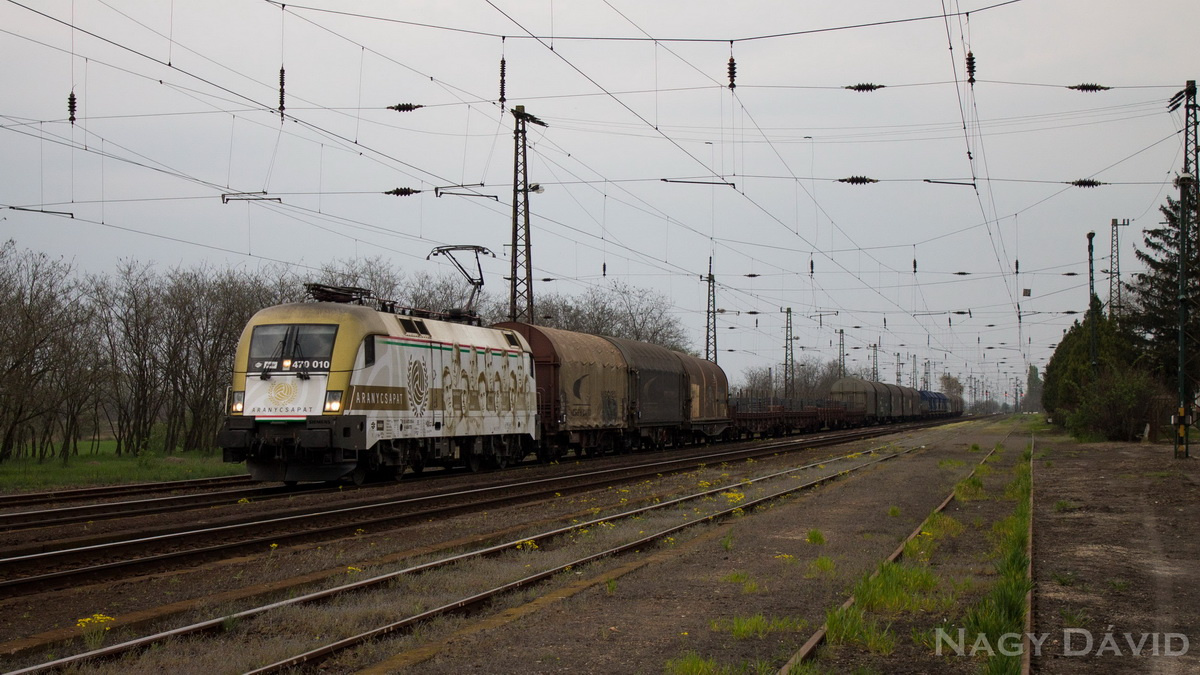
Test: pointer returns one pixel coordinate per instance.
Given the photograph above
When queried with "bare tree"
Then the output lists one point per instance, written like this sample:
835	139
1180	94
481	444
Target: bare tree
131	333
619	310
38	298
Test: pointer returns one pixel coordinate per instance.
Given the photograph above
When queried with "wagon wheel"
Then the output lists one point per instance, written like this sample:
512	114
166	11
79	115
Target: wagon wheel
359	475
417	463
474	462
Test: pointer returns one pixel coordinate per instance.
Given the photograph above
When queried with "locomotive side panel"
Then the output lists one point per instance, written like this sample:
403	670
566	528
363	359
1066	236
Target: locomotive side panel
441	381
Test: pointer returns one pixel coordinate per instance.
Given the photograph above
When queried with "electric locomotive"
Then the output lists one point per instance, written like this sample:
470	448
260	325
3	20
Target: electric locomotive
334	388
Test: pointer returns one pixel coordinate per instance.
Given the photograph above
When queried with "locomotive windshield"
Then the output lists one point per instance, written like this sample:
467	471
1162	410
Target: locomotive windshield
299	348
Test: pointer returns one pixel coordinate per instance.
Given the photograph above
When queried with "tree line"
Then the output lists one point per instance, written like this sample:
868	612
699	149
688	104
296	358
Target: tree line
144	356
1115	374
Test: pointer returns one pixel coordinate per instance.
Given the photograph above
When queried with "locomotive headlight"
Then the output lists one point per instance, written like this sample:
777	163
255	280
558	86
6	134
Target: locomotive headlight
239	402
333	401
287	363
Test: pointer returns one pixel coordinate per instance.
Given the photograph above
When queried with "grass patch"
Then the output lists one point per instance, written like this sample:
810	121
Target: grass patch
815	537
749	584
692	663
1074	618
848	625
901	587
1063	506
822	566
969	489
951	464
1118	585
104	467
1002	610
893	511
936	527
758	626
974	448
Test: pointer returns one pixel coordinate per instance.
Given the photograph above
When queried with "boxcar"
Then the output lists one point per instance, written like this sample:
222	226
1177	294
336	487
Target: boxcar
583	389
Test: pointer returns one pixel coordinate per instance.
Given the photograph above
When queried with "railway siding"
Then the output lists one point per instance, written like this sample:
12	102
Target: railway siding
765	565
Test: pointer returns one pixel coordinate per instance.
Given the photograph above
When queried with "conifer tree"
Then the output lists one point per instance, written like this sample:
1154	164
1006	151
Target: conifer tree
1153	312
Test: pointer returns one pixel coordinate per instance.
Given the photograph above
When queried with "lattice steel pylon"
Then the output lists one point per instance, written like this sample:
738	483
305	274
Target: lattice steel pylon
789	358
520	302
1114	269
710	326
1187	198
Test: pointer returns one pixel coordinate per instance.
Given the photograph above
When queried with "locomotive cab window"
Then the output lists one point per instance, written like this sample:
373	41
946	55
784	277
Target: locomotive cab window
300	348
407	325
512	340
369	351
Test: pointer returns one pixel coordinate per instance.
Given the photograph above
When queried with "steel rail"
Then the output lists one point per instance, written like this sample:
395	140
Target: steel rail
100	492
326	650
306	527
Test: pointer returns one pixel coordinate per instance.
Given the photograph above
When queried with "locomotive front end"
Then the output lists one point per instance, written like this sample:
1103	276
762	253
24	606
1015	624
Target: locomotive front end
285	415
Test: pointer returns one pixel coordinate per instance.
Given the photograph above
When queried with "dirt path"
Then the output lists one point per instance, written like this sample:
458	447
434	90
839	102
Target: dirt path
1116	552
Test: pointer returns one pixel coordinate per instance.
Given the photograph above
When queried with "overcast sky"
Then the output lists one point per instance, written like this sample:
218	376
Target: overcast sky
177	105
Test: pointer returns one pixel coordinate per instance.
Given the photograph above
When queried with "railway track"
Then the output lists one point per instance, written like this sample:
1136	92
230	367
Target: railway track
106	491
813	474
52	517
46	566
23	520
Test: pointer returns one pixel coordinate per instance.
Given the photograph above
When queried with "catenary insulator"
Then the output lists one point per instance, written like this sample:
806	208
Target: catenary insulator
732	73
1089	87
1087	183
405	107
71	108
281	93
865	86
402	192
971	67
857	180
502	66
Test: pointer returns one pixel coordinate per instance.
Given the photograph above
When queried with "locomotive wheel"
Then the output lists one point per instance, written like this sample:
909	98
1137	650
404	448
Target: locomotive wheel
501	461
359	475
474	463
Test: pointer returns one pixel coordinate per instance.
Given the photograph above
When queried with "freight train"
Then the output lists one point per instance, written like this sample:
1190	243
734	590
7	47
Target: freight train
334	388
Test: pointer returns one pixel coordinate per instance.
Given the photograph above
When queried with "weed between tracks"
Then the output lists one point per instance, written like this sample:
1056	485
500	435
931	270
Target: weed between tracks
253	642
899	611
